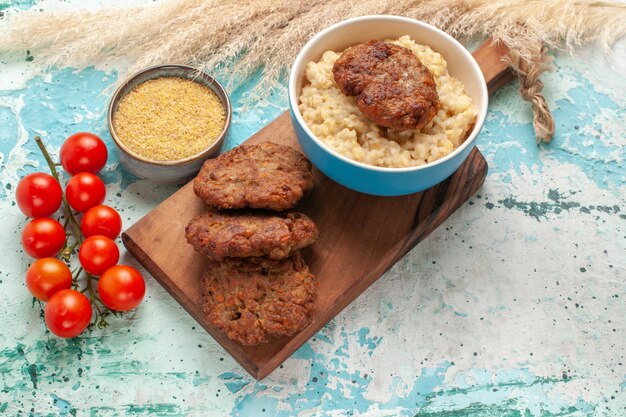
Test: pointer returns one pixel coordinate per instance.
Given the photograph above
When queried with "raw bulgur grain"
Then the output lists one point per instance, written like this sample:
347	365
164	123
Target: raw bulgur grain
169	118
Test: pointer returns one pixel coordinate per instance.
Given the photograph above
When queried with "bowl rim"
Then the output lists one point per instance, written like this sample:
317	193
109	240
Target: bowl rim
294	101
222	96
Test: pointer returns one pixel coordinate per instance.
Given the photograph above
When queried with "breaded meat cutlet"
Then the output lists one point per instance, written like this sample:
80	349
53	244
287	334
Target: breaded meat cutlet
251	299
225	234
264	176
390	84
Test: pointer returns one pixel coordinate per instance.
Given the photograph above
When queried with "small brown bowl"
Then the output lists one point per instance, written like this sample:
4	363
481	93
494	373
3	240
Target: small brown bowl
167	172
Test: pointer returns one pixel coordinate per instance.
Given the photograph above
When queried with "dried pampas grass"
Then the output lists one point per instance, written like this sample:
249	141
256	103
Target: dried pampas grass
239	37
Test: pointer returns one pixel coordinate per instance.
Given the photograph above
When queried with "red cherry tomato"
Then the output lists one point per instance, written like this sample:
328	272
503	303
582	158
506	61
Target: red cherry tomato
38	195
43	237
84	191
97	254
121	288
68	313
46	277
83	152
101	220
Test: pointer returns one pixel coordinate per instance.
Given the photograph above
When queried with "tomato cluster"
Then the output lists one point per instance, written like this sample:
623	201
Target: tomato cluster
120	288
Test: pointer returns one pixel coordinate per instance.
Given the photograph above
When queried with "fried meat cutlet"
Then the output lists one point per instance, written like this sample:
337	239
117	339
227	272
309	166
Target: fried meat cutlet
390	84
251	299
264	176
227	234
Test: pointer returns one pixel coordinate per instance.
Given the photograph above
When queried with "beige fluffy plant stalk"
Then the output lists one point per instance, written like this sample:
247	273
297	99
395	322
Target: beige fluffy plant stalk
241	37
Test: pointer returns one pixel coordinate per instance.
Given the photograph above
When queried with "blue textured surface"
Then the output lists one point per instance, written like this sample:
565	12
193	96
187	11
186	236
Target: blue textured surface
514	307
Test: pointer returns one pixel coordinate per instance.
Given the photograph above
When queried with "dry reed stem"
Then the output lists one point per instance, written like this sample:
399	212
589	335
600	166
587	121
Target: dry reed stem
239	37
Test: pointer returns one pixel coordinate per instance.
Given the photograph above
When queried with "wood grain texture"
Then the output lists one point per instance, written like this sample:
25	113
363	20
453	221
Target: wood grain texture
361	236
490	59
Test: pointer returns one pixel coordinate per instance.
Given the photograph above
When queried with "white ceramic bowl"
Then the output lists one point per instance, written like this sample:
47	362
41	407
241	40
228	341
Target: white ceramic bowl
367	178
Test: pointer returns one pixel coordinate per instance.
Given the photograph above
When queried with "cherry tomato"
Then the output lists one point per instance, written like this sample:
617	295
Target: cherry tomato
101	220
97	254
43	237
68	313
46	277
38	195
121	288
84	191
83	152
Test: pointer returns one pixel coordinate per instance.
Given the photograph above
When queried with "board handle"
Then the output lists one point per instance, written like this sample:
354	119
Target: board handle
495	70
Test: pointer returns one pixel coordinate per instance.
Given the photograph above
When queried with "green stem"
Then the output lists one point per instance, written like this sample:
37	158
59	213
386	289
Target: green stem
66	252
90	288
77	273
92	295
66	206
65	223
71	248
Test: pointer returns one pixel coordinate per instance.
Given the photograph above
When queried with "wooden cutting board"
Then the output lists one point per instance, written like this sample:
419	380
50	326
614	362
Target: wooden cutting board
361	236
